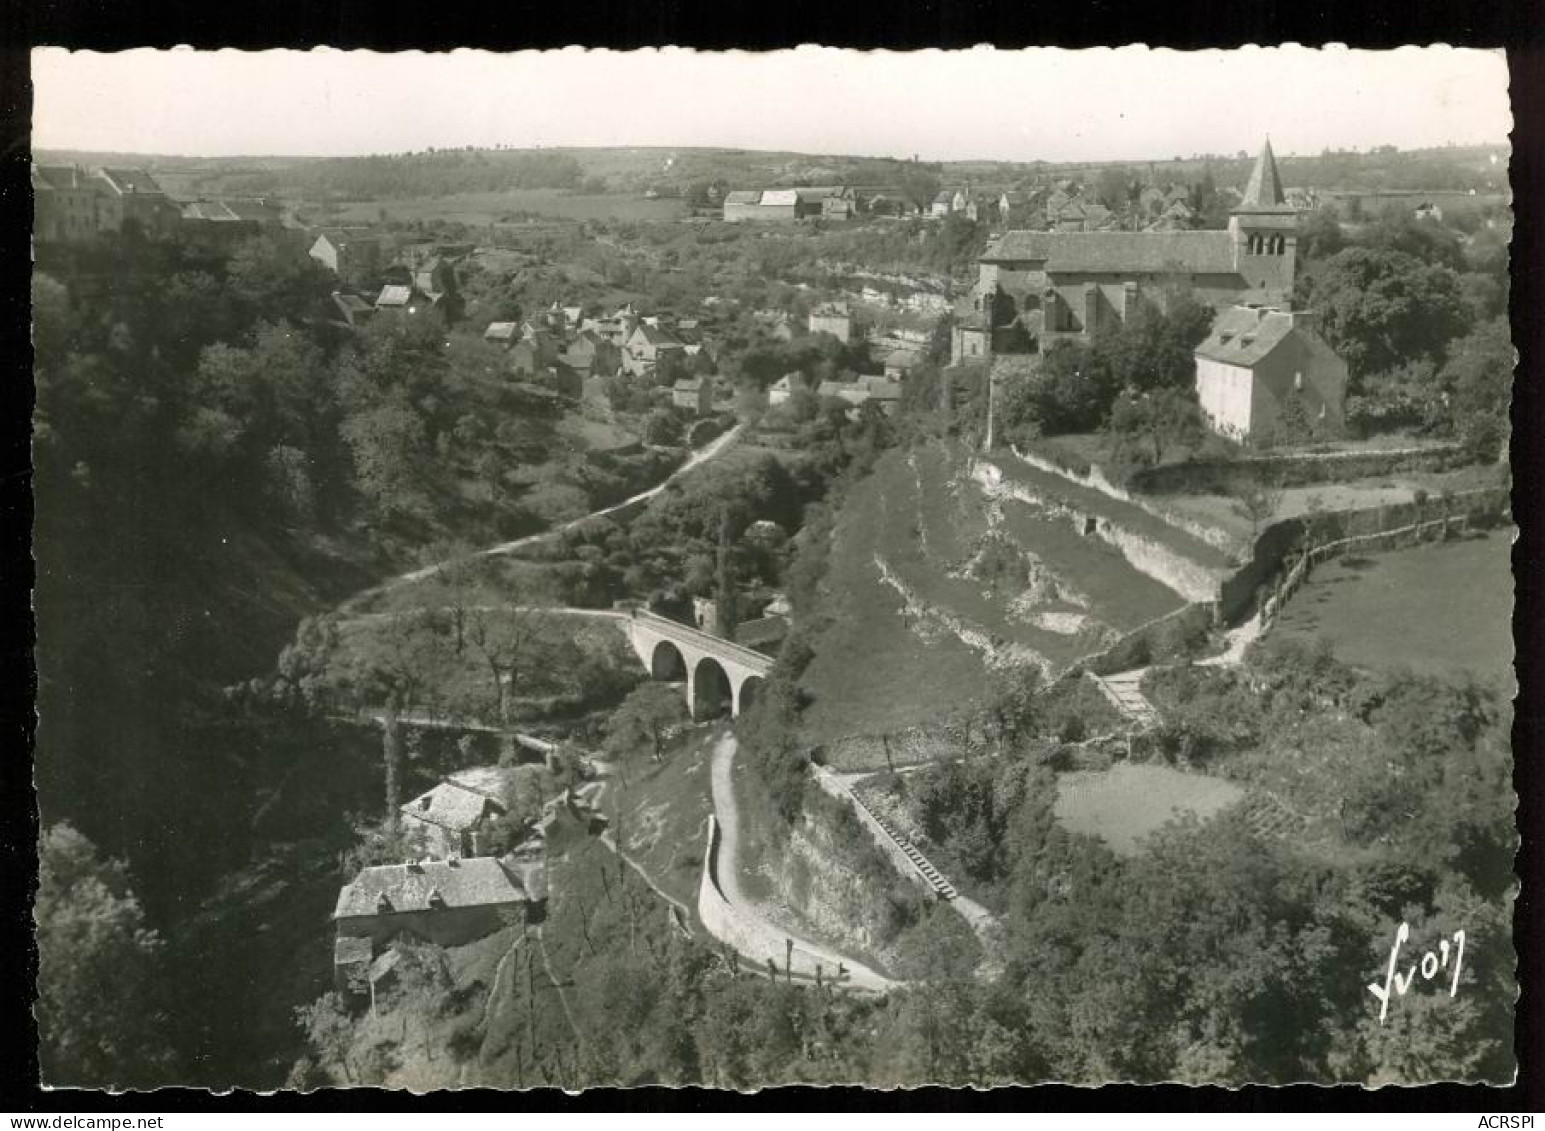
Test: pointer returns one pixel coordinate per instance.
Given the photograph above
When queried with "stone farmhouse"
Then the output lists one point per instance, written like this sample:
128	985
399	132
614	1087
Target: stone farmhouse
349	253
71	204
447	902
1071	283
457	816
1257	362
647	347
694	394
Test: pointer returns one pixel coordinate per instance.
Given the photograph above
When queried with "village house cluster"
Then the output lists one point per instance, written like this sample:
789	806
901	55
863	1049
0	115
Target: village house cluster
474	868
73	204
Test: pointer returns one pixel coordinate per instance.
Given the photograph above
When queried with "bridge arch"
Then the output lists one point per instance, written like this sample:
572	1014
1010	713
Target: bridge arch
747	694
712	692
673	651
666	662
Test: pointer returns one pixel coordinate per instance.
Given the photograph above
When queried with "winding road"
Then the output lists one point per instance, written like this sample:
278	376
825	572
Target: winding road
773	936
696	459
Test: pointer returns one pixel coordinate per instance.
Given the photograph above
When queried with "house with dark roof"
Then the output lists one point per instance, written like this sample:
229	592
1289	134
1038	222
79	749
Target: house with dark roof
454	820
67	202
133	196
353	310
695	394
446	902
1076	282
647	346
350	253
1260	368
591	355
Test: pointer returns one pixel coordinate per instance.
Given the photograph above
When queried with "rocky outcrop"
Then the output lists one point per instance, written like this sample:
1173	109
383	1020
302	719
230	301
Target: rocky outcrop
997	653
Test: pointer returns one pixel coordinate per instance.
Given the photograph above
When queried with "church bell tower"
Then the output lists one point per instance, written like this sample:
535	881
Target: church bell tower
1264	229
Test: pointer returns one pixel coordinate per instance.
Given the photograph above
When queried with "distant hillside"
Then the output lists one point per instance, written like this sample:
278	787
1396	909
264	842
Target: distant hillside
439	172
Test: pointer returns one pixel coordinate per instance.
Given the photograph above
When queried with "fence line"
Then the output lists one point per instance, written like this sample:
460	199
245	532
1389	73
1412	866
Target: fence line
1271	607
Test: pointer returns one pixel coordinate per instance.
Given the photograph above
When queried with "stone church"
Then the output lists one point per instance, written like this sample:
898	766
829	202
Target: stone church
1034	288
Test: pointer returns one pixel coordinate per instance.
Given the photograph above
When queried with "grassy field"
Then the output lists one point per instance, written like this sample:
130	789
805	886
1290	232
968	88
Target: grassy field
1220	513
479	209
929	522
664	814
871	673
1123	514
1438	608
1128	802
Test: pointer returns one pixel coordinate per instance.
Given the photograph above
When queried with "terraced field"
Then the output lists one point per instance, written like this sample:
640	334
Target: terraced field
871	673
933	584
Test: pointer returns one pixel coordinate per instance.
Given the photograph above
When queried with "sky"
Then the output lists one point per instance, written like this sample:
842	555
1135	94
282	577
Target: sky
1037	104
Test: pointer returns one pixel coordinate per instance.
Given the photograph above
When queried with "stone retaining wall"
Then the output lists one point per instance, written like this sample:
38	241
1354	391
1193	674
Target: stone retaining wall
1190	580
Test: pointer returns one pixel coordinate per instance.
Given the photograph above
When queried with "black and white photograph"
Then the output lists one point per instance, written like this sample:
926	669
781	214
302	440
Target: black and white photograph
582	569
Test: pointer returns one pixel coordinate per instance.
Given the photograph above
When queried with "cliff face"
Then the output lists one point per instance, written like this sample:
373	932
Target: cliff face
831	876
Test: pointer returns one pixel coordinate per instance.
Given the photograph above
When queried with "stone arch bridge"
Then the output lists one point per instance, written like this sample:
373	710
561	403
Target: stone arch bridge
718	672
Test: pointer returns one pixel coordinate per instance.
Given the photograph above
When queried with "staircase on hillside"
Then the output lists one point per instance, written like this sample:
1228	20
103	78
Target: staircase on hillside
940	885
1124	690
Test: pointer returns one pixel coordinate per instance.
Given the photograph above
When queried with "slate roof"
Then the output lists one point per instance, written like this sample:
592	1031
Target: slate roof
1244	336
62	177
478	881
210	210
352	304
496	782
451	806
743	196
1203	253
655	336
1263	192
502	331
132	181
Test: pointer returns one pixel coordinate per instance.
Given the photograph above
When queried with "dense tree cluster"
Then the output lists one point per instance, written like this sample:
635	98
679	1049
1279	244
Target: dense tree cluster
1418	312
1137	381
1219	954
434	172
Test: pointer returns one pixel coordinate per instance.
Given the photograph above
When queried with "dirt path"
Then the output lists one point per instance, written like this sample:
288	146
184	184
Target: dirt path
697	459
774	936
1238	640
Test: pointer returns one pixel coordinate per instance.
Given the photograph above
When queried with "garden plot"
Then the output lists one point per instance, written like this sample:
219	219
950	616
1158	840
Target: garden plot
1128	802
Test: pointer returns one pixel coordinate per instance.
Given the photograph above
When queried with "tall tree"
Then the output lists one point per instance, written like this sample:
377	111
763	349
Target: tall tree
99	1022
